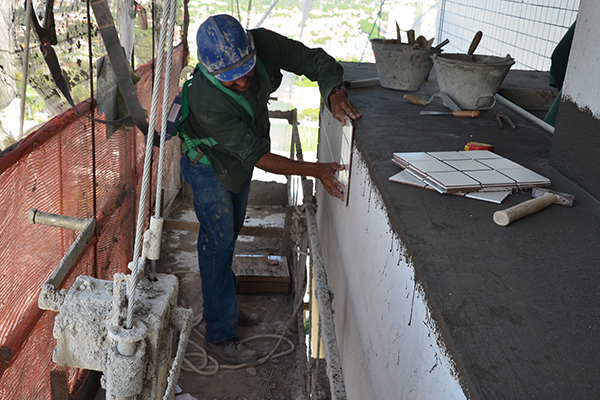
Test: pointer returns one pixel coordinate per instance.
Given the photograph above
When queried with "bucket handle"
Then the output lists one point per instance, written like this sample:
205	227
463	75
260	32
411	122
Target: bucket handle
485	97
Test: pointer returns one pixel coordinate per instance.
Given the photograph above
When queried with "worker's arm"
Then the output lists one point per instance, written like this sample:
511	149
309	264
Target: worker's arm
325	172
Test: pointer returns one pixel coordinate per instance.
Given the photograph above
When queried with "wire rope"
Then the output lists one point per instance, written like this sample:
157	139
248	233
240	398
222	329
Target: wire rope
165	112
137	269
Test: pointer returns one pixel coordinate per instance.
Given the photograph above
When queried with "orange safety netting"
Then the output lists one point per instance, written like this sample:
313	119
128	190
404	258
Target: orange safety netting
67	167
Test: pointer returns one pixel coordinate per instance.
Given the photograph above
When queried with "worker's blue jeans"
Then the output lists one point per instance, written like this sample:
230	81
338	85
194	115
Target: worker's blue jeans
221	215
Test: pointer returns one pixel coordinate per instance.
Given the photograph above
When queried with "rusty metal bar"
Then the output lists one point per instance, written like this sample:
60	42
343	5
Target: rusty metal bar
87	228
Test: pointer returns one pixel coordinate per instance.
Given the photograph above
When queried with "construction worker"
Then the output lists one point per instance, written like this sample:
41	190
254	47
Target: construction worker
225	131
558	71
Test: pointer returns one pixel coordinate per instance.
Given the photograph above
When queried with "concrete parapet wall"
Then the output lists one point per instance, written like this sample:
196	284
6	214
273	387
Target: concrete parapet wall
389	343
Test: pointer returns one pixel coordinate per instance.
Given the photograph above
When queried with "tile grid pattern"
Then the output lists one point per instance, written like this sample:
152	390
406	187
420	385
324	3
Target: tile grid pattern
484	171
528	30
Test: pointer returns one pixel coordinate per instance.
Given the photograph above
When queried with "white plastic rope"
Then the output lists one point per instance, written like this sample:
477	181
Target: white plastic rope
137	270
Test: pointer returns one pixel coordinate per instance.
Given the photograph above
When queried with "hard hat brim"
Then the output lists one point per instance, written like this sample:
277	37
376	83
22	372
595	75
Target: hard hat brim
237	72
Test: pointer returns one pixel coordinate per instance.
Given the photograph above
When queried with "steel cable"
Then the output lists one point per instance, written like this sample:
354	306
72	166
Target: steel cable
136	269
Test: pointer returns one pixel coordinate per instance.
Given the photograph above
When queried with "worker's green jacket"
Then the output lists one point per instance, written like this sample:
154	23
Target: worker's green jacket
241	134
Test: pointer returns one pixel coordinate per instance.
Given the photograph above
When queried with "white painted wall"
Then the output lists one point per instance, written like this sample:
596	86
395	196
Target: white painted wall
387	339
581	83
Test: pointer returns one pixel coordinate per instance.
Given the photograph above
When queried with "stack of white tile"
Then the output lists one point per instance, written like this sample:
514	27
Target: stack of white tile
466	172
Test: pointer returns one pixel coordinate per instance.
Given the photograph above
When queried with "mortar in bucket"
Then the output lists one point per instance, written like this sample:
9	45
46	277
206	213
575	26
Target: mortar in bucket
399	66
471	81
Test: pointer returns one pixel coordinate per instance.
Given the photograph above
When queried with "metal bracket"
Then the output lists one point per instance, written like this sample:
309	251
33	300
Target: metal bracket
50	297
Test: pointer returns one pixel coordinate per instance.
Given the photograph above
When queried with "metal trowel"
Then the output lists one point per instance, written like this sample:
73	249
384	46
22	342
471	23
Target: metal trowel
466	113
448	102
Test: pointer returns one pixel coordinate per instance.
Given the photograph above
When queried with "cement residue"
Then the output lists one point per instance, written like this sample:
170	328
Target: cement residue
51	298
81	326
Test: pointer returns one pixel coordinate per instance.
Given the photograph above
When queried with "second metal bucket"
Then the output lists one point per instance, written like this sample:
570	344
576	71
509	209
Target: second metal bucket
473	81
399	66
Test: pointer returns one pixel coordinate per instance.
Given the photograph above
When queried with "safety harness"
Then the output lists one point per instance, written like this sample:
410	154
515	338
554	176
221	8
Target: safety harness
191	146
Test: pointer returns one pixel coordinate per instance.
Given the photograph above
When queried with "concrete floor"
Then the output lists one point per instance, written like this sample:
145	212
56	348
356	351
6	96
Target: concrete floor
279	378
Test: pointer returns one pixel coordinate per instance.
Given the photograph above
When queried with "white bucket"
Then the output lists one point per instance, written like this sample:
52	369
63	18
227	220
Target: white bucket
471	82
399	66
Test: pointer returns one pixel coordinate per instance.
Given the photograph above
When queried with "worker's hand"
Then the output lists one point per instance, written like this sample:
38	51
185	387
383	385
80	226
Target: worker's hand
342	109
326	174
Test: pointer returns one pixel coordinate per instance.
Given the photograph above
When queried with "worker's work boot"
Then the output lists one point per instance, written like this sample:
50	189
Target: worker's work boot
248	319
230	351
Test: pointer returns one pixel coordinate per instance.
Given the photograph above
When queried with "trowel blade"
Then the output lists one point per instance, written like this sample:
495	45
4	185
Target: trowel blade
448	102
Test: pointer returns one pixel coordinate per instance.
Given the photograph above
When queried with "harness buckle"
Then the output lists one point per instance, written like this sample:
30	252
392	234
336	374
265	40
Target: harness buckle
196	159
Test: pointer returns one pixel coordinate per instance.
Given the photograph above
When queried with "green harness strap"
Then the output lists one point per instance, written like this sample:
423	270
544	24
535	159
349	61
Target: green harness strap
190	145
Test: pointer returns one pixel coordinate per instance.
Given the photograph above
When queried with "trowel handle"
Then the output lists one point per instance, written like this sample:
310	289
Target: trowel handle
411	36
505	217
439	46
465	113
474	43
414	99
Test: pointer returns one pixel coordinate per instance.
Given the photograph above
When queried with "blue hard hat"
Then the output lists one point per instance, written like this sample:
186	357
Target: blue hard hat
225	49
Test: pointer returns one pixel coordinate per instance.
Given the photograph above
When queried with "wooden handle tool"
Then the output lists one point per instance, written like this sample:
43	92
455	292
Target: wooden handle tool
411	36
439	46
474	43
542	199
464	113
411	98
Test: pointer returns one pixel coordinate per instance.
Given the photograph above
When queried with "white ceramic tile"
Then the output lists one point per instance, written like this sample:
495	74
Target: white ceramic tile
467	165
501	163
525	176
398	163
454	180
448	155
493	197
491	178
346	152
408	179
480	154
437	187
431	166
343	176
417	174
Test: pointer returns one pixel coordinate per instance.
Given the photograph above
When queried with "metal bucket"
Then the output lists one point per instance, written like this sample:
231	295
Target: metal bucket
399	66
471	82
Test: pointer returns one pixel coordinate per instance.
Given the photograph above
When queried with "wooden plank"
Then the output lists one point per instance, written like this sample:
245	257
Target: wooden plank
175	225
262	274
263	231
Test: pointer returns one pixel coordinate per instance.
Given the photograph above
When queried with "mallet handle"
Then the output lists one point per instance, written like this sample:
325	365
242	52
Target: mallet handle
505	217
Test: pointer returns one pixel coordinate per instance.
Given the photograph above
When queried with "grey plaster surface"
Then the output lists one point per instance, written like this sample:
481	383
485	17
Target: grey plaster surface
518	306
